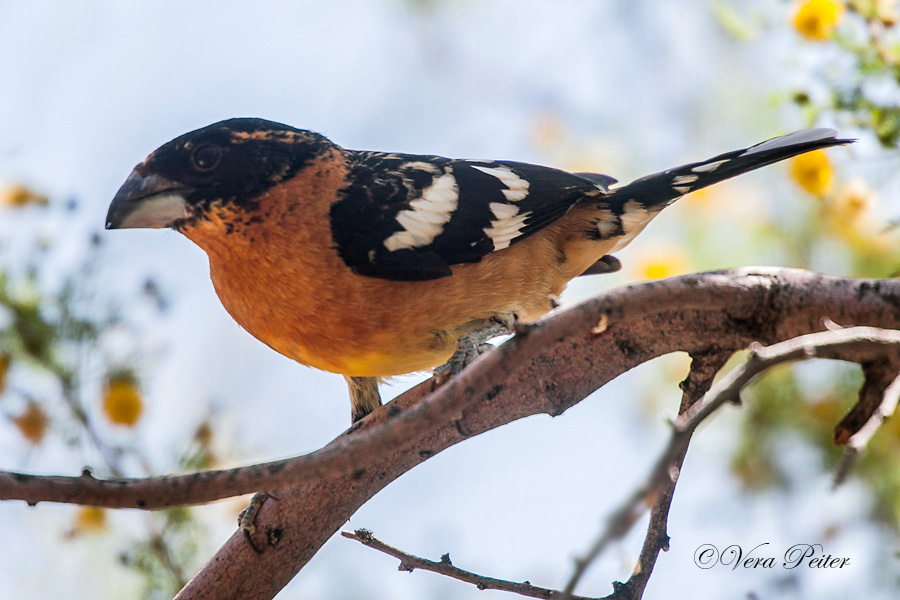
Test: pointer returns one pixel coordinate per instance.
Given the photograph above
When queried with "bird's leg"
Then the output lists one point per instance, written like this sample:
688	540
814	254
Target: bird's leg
364	396
473	344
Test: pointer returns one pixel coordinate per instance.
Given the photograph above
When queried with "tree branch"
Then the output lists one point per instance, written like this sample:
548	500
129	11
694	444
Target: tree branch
879	396
704	367
557	363
865	345
876	349
409	562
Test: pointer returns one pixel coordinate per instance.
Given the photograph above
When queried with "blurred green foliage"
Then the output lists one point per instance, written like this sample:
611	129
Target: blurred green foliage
57	370
866	93
844	230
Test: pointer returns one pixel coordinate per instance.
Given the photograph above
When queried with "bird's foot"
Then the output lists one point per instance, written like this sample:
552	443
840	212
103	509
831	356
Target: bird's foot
473	344
247	517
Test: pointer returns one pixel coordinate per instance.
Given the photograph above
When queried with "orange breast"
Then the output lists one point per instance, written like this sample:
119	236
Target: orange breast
280	277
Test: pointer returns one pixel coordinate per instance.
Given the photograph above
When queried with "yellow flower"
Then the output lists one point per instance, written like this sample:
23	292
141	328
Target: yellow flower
89	519
853	200
816	19
812	172
886	12
32	423
17	196
849	213
662	263
122	400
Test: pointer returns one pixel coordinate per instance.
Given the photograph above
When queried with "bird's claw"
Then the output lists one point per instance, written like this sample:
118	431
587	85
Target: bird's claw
247	517
472	345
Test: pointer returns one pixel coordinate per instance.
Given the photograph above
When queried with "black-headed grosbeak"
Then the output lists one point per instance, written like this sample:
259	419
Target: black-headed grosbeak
372	264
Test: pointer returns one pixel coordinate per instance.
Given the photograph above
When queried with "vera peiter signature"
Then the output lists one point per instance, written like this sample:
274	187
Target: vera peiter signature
811	556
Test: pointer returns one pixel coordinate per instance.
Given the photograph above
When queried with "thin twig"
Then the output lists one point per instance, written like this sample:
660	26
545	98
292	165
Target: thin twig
840	344
860	440
704	368
884	411
409	562
656	491
659	487
619	523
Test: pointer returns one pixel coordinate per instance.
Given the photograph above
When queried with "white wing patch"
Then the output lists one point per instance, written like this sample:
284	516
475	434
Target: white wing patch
685	179
607	223
516	187
503	211
428	215
607	227
634	217
507	226
422	166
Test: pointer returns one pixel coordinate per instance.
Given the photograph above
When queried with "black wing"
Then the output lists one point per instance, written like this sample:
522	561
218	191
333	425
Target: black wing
410	217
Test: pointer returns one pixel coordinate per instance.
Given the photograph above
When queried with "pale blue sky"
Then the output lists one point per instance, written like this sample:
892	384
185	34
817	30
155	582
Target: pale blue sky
88	89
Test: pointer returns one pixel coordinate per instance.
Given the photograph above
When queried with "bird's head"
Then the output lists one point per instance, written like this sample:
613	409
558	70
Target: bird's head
229	164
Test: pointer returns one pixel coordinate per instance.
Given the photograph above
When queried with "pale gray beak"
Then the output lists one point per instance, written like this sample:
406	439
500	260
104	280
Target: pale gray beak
147	201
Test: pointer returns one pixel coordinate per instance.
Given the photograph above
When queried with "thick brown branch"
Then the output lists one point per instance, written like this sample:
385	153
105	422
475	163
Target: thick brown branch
551	368
560	361
876	349
556	364
409	562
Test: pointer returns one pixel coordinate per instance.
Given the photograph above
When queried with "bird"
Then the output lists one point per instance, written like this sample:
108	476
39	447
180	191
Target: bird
375	264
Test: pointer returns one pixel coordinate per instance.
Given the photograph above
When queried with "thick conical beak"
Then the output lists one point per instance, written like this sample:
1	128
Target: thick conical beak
147	201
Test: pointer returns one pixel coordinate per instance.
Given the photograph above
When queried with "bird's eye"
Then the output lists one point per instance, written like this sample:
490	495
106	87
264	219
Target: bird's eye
206	157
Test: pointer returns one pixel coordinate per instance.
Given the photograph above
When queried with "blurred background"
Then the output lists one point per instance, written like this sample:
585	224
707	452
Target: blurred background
115	352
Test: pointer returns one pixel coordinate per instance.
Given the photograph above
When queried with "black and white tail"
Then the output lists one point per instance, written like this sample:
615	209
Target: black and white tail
660	189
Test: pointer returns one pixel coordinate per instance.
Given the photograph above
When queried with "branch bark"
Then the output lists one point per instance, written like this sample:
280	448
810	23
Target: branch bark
410	562
557	363
664	478
877	350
